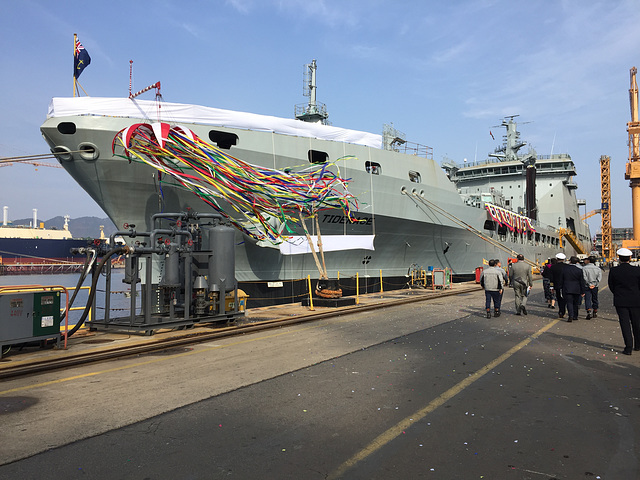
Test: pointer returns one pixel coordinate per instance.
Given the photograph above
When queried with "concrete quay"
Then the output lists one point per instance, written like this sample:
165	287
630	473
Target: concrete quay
422	389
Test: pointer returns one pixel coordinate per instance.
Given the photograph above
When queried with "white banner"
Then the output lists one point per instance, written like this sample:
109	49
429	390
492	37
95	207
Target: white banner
330	243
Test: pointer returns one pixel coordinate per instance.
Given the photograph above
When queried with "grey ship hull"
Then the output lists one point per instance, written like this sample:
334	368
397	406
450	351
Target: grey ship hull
407	231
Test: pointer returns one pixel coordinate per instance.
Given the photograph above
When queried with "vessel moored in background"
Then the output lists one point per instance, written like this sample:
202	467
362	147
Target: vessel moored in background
415	211
22	245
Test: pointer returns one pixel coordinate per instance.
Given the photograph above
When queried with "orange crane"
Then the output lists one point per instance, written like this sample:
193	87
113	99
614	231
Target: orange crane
632	172
30	159
605	185
591	214
35	164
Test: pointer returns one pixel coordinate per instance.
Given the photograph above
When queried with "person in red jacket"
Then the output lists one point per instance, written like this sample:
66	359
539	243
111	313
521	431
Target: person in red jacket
624	283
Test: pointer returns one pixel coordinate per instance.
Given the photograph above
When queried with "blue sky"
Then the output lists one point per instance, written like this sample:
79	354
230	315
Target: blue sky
445	73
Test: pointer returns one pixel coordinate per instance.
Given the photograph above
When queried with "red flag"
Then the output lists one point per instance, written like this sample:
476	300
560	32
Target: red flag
491	135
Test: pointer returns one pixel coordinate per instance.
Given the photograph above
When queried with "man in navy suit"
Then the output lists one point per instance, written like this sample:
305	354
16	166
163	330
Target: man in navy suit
573	287
624	283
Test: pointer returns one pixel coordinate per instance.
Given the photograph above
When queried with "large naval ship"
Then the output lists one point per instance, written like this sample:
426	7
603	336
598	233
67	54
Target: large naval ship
411	210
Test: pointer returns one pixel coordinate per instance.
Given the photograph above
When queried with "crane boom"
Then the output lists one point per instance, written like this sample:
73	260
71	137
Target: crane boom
591	213
632	172
35	164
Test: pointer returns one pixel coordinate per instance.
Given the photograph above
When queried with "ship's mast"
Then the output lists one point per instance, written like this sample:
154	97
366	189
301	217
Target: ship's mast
314	111
509	151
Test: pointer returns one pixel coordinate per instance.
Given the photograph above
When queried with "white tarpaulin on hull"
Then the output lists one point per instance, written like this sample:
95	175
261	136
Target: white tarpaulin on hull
182	113
330	243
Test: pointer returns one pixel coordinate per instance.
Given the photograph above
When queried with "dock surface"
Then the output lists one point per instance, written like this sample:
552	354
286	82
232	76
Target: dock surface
425	388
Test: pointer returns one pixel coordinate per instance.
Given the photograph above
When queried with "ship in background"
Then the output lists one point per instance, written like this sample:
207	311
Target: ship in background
412	211
36	249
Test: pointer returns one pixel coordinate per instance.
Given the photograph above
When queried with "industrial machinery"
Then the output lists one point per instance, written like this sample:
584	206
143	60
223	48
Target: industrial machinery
28	315
186	270
632	172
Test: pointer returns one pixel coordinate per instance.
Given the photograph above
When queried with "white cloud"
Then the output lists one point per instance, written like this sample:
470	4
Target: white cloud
242	6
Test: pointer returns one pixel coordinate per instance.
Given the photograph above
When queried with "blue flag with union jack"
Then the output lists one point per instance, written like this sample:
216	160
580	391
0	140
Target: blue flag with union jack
81	59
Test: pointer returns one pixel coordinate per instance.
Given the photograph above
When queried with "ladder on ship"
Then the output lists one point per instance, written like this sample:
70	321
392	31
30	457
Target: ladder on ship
573	241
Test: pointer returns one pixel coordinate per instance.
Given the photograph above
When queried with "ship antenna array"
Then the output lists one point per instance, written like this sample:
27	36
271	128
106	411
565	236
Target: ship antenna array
313	111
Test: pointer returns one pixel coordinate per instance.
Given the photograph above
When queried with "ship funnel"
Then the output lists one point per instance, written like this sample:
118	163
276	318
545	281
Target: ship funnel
5	216
35	218
530	192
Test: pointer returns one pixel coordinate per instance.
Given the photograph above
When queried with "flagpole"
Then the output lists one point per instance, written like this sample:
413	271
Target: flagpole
75	39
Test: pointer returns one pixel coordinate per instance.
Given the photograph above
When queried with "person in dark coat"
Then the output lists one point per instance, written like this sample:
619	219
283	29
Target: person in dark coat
624	283
573	287
556	282
547	276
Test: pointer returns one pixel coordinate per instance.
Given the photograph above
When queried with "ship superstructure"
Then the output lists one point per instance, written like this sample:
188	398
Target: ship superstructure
541	187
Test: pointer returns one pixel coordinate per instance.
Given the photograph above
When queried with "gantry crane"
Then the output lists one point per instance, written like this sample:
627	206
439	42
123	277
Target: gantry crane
632	172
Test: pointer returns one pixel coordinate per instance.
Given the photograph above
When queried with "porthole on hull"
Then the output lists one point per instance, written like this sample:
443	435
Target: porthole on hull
67	128
88	151
62	153
224	140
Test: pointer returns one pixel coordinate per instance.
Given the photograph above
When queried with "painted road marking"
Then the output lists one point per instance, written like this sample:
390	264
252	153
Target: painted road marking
395	431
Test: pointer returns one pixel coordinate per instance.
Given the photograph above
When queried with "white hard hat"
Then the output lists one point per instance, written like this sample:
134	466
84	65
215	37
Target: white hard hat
561	256
624	252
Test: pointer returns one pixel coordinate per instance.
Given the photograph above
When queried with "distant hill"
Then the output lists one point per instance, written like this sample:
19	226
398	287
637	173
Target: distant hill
83	227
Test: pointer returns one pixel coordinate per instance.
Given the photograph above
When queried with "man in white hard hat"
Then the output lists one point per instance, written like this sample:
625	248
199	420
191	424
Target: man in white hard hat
624	283
557	279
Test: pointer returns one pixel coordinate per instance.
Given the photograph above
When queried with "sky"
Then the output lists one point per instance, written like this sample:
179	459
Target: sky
444	73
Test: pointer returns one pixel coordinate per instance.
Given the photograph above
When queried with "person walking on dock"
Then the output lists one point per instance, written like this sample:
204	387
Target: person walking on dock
521	281
592	277
624	283
547	276
505	276
556	280
573	287
492	280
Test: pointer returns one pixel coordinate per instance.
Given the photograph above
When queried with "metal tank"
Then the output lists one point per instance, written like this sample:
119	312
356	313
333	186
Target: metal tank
222	261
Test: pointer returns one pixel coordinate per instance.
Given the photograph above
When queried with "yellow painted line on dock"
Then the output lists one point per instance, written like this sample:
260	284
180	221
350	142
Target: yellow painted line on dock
395	431
155	360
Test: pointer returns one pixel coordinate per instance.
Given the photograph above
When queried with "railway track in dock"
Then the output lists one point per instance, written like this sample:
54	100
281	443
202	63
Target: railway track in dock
186	337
